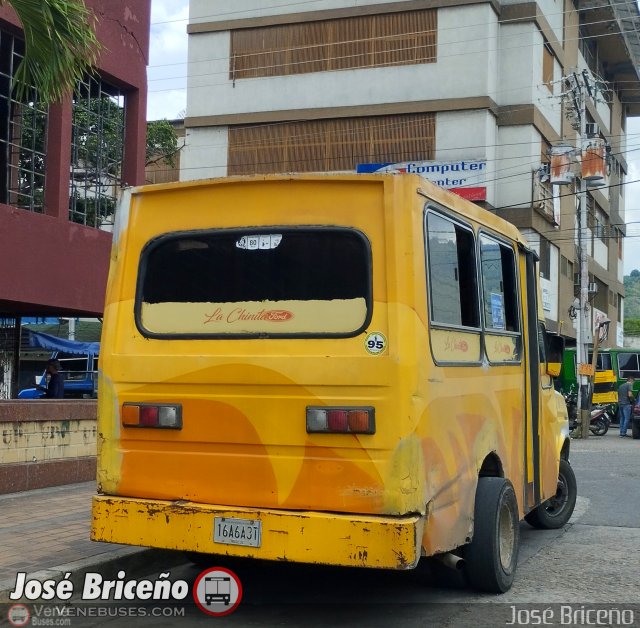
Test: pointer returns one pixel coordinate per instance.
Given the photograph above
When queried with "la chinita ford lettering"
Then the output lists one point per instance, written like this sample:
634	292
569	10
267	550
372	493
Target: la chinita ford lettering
241	314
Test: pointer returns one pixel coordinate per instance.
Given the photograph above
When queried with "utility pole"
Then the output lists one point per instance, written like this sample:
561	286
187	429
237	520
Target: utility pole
584	318
580	87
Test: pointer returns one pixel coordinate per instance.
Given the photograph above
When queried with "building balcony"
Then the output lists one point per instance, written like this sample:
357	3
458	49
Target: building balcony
616	27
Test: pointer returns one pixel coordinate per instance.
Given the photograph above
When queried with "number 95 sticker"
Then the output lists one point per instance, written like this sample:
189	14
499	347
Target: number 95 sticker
375	342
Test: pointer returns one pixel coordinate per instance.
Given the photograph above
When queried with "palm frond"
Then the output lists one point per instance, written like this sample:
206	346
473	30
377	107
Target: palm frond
60	46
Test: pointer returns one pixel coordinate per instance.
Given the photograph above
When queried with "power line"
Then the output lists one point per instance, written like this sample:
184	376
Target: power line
395	124
361	40
389	155
263	9
438	58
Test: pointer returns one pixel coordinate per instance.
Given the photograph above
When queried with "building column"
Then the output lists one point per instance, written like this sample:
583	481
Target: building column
135	136
56	194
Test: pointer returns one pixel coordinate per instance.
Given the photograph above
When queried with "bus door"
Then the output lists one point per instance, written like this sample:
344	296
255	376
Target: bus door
532	386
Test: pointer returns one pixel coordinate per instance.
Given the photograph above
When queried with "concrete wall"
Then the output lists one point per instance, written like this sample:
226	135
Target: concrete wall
469	135
518	156
601	253
552	10
46	443
206	11
204	154
548	287
520	71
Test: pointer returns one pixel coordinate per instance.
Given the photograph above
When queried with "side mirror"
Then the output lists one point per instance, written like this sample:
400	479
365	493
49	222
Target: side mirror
555	349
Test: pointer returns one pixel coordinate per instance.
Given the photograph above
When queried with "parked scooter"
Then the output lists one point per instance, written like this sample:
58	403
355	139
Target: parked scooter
601	415
600	420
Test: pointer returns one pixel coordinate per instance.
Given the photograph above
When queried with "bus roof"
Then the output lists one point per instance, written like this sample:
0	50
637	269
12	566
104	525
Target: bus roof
426	188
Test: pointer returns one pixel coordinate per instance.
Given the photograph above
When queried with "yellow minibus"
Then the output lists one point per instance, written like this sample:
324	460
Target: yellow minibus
335	369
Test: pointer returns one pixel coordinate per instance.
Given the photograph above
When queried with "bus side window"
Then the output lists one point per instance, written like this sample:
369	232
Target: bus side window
499	286
628	365
542	347
452	273
603	361
501	319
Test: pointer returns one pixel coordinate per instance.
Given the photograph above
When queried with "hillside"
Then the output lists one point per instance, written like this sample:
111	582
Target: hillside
632	305
632	295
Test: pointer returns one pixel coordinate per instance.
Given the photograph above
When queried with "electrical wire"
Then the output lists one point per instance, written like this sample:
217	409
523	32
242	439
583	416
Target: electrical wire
524	143
535	162
361	40
515	20
439	57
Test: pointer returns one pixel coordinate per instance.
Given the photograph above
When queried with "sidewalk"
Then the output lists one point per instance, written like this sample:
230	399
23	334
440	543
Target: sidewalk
48	529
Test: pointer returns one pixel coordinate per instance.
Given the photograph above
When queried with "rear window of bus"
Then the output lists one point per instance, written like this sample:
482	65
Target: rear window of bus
277	282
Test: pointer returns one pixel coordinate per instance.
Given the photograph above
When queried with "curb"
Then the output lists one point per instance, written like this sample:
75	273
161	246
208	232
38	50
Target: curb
135	561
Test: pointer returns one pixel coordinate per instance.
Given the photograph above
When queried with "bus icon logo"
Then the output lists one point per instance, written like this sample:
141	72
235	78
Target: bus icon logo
217	591
18	615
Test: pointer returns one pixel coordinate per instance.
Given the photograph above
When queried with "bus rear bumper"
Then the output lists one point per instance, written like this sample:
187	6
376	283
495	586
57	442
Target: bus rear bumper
383	542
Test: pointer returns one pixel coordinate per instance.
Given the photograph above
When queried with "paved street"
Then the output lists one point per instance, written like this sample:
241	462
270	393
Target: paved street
47	527
596	559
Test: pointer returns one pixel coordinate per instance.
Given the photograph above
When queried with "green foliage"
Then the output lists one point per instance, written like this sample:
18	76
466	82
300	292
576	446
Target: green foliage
632	304
632	326
162	143
91	210
98	133
60	46
98	146
31	157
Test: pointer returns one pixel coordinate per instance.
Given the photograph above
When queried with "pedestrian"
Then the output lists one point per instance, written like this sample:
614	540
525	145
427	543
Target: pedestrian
625	404
55	388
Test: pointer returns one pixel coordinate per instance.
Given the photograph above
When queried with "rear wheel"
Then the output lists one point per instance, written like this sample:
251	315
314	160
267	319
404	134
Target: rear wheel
635	427
555	512
599	427
492	555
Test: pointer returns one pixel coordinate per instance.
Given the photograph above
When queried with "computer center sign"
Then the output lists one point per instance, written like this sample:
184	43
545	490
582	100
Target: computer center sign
467	178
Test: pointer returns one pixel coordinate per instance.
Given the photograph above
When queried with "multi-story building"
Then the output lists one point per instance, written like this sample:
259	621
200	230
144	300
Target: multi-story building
468	92
60	171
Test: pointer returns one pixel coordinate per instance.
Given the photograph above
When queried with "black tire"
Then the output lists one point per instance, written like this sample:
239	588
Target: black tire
492	556
599	427
556	512
635	428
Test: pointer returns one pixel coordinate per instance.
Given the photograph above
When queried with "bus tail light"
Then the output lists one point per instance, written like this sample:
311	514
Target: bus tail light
341	420
162	415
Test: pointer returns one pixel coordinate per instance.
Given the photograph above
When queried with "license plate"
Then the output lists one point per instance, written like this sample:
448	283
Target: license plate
237	531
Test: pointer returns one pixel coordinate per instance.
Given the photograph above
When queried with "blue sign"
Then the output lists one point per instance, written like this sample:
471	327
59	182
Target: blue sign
497	311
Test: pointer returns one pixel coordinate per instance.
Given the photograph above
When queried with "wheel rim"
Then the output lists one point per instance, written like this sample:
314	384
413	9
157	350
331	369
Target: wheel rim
558	502
506	537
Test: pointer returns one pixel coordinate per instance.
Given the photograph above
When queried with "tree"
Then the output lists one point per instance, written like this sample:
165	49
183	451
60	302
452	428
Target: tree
60	47
631	327
97	151
162	143
98	147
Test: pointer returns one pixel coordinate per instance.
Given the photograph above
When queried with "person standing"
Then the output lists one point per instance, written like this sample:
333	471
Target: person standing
55	387
625	404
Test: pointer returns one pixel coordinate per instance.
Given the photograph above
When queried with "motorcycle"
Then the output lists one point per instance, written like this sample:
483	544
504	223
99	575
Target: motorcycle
601	415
